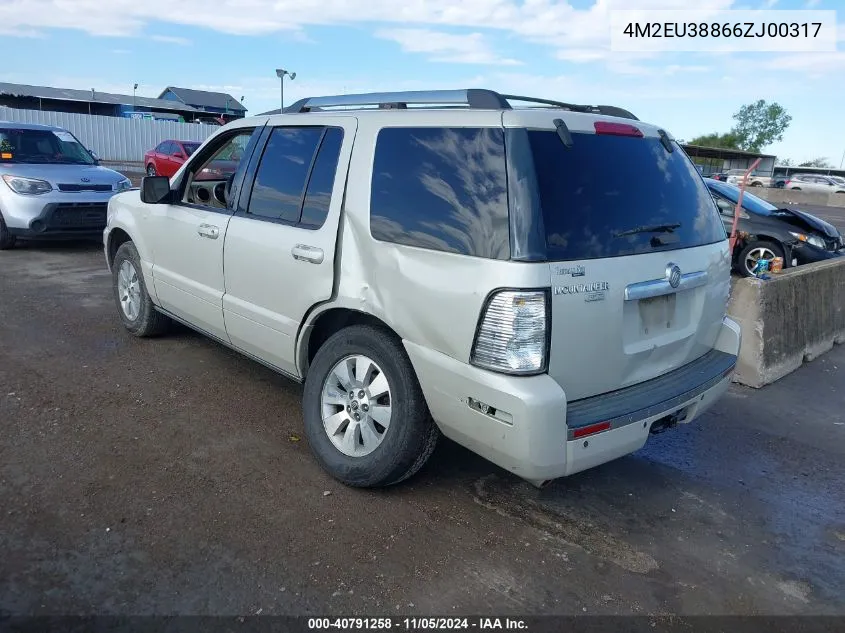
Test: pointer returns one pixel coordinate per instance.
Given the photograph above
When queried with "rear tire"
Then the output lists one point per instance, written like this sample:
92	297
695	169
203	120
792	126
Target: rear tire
136	309
372	362
754	251
7	240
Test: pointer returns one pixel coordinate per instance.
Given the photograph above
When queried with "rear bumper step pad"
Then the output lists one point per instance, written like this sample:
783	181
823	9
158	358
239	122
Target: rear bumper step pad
649	398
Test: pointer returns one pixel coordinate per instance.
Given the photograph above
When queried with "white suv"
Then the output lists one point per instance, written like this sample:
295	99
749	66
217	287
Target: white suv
543	285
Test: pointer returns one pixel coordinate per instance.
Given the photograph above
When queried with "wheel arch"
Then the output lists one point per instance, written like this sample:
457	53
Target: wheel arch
323	324
116	237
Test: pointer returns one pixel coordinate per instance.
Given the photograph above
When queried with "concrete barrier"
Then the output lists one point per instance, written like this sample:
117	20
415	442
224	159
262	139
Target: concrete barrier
794	317
792	197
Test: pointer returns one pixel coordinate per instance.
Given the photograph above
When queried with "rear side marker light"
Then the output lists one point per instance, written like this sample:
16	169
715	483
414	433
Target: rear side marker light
592	429
617	129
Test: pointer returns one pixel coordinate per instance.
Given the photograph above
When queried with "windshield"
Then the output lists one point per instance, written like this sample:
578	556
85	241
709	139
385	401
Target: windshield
750	202
609	196
42	146
190	148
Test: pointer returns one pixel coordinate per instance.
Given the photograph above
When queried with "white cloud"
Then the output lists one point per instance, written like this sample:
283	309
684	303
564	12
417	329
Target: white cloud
550	22
171	39
812	4
471	48
815	65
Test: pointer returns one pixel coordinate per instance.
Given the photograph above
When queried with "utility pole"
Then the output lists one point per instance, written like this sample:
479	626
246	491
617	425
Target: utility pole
134	88
280	73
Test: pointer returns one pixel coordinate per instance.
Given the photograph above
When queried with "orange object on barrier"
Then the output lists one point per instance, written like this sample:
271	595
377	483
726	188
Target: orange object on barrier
777	264
738	208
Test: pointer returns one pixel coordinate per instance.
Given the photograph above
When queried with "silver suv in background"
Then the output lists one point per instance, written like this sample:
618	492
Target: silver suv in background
544	285
813	182
52	186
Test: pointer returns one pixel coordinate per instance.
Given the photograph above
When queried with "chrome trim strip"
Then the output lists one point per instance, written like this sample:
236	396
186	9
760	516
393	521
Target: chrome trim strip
660	287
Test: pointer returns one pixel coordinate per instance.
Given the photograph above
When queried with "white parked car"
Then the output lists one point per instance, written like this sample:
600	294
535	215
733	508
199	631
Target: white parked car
543	285
754	180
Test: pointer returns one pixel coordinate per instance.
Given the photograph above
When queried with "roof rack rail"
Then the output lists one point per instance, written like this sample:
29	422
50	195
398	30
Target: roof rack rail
473	98
574	107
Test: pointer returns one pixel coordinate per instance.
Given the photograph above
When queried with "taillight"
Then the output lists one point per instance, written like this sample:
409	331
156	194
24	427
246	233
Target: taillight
617	129
786	182
513	332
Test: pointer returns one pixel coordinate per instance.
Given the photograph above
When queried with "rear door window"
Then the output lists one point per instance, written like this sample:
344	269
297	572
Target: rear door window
596	192
318	195
442	189
283	172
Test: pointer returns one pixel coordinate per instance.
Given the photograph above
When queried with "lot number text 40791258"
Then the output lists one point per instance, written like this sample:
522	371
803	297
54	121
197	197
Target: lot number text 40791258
417	624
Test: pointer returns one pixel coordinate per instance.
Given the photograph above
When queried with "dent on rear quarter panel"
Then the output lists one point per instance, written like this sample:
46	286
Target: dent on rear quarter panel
430	298
427	297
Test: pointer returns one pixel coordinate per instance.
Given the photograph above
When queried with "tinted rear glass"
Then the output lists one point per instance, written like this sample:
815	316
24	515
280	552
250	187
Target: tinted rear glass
441	189
190	148
604	185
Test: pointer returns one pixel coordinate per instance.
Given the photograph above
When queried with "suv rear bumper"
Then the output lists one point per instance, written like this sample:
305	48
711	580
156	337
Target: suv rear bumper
531	428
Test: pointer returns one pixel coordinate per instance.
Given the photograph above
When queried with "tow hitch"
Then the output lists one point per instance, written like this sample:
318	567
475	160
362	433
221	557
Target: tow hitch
668	422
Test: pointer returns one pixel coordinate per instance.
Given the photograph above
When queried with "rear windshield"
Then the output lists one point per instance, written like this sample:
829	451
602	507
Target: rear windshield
603	186
190	148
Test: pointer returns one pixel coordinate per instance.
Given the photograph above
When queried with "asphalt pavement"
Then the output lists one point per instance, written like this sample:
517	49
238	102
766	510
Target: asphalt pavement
834	215
170	476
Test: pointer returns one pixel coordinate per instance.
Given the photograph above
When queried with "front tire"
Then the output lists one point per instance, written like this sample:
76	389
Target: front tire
7	240
366	418
134	305
758	249
151	170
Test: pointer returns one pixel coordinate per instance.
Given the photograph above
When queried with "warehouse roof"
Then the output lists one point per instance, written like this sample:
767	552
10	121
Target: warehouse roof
204	98
90	96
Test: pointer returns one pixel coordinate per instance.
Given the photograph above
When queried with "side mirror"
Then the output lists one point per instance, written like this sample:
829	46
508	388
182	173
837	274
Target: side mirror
155	190
94	156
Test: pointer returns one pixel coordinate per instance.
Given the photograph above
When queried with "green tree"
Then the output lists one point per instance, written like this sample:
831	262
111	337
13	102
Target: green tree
816	162
760	124
724	141
786	162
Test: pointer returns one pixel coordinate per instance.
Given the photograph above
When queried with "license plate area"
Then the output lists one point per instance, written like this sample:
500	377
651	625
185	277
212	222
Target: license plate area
657	314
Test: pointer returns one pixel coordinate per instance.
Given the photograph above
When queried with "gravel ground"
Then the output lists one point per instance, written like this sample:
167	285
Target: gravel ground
169	476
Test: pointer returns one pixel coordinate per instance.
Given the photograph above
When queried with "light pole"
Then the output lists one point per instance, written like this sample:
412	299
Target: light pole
280	73
842	160
134	88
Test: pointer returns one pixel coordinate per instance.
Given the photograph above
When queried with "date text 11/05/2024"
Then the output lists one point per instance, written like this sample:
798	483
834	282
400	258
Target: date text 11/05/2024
726	29
417	624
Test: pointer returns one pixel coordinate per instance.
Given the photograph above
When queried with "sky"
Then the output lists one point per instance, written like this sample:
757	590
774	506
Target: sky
558	49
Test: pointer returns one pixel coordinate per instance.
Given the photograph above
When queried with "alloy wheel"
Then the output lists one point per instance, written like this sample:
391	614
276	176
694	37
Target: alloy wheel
356	405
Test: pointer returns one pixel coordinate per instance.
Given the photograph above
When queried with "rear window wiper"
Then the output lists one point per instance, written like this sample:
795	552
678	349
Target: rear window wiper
651	228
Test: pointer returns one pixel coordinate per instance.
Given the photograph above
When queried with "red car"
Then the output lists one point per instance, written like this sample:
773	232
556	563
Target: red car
168	156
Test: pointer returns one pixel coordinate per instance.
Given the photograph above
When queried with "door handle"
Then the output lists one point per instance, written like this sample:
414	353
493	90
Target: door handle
306	253
209	231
